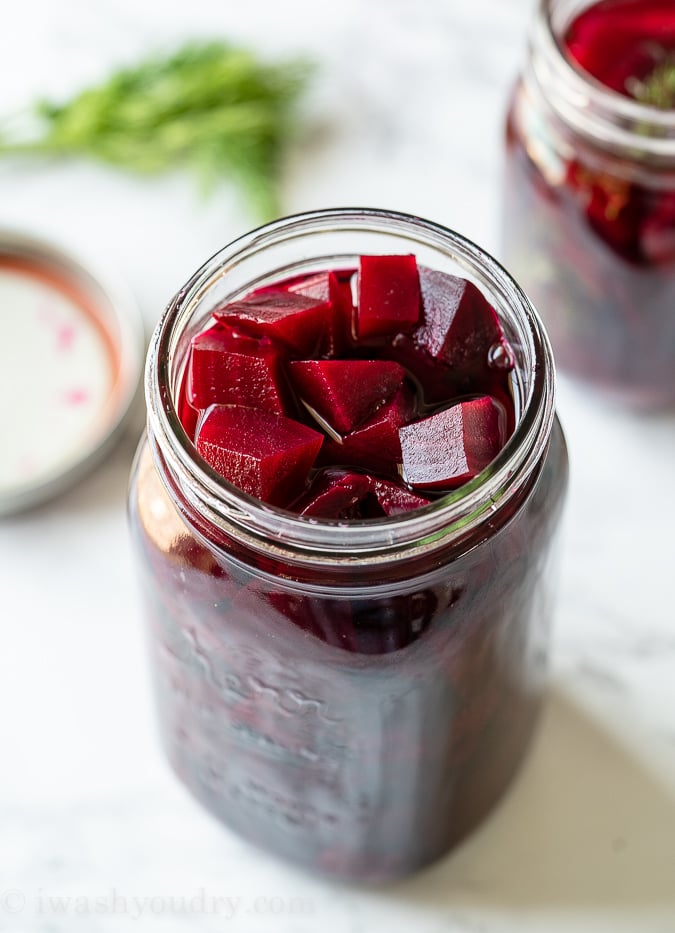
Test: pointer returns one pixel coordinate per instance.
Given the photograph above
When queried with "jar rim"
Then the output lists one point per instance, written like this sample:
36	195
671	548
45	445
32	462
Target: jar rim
289	536
584	103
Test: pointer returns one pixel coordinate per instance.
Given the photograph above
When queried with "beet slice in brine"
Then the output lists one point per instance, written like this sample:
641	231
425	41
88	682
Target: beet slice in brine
298	322
343	495
335	288
375	445
460	327
452	446
394	498
230	369
338	494
389	296
344	393
263	454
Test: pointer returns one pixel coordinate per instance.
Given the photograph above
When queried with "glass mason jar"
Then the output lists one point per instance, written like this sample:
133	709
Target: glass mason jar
589	218
352	696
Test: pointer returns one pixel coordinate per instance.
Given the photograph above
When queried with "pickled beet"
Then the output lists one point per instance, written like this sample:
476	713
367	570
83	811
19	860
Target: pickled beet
389	295
345	392
295	321
292	403
230	369
375	445
452	446
459	326
264	454
334	288
341	494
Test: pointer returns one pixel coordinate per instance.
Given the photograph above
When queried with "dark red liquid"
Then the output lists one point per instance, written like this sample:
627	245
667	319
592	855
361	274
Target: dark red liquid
358	727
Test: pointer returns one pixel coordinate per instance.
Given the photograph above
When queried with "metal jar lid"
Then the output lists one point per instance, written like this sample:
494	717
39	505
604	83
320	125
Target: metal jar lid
71	362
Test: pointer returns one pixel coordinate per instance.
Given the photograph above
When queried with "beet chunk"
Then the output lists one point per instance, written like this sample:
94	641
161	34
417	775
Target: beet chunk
375	446
452	446
345	392
230	369
393	498
389	296
333	287
264	454
460	328
298	322
343	495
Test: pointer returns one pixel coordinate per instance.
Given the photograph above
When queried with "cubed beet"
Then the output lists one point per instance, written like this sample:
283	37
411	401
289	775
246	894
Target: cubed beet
226	368
263	454
452	446
375	445
298	322
345	392
389	296
343	495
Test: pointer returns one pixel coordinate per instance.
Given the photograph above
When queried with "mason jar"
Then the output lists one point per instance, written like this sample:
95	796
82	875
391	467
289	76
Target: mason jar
588	219
353	696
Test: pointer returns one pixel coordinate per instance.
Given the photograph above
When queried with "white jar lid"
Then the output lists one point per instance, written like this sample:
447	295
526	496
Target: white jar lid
71	361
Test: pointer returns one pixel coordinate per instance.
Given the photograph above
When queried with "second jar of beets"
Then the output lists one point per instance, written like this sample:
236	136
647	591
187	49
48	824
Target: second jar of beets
354	693
589	200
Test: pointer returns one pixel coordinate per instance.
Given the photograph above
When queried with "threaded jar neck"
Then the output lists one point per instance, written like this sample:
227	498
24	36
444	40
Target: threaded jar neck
603	117
308	243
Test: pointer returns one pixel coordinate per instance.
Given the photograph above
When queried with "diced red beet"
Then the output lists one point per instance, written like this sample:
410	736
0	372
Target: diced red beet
331	621
393	498
263	454
452	446
337	494
344	495
298	322
459	326
375	445
362	626
230	369
389	296
437	381
344	393
336	288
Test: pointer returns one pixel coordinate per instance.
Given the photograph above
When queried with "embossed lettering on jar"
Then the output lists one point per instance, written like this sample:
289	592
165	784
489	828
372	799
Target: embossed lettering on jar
370	756
589	191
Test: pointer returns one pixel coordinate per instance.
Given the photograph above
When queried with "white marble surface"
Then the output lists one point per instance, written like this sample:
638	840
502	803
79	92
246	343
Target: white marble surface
95	834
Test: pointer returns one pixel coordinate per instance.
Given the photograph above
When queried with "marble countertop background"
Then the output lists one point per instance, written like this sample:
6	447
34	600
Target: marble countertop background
95	834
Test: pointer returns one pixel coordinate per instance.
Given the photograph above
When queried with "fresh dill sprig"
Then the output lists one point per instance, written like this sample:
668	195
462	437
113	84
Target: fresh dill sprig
657	89
209	106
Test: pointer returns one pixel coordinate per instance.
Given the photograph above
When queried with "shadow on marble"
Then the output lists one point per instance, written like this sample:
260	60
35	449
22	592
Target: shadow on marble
586	825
